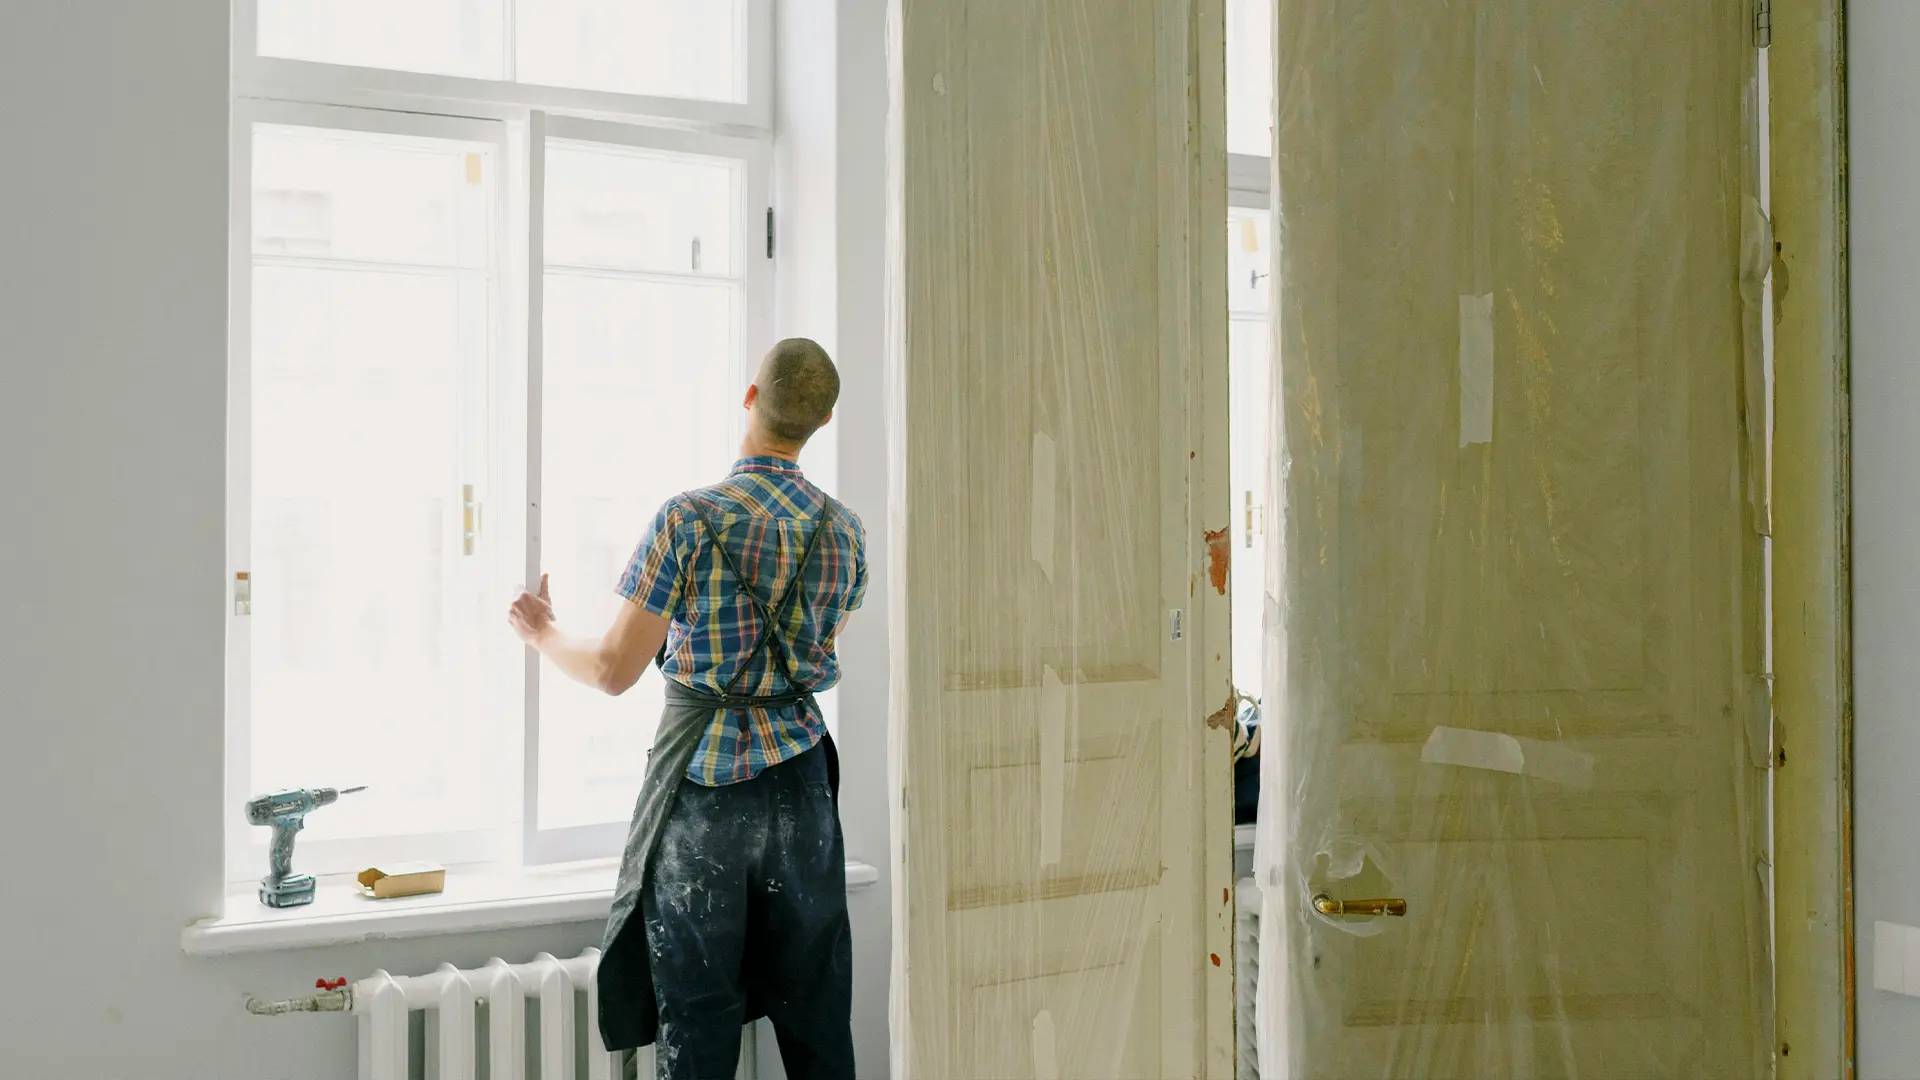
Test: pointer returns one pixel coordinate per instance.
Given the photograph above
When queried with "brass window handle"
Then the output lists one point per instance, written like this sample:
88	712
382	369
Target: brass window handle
1326	905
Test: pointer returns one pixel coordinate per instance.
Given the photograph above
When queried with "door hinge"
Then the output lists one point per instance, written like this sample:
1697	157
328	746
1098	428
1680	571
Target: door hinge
1762	23
242	593
769	232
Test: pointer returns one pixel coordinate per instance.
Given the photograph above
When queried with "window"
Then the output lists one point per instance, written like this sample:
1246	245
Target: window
1250	77
700	60
447	315
1252	259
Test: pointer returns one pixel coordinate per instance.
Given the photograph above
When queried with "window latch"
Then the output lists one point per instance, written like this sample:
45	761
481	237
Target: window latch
469	519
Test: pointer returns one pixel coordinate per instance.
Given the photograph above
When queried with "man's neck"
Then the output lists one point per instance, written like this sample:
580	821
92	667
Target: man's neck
753	446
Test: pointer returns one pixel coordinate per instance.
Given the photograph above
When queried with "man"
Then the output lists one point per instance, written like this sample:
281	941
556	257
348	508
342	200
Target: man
734	861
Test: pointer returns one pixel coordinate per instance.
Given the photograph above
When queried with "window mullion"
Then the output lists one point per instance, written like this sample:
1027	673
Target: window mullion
536	188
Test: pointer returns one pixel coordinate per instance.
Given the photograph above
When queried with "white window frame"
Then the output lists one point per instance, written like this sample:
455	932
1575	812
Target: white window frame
247	846
515	118
567	844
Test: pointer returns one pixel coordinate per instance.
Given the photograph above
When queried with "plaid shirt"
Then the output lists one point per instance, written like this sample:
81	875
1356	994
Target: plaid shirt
765	512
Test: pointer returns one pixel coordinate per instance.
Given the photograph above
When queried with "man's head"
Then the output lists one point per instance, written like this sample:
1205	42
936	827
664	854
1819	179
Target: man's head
794	393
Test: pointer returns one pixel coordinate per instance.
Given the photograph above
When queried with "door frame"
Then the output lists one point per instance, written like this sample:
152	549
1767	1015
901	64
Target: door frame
1814	969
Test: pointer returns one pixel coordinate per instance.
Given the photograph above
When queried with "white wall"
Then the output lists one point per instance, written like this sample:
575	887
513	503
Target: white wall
1883	40
112	396
829	194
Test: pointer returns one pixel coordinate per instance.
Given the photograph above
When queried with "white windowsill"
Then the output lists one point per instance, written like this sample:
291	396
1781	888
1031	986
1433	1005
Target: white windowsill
1243	837
476	899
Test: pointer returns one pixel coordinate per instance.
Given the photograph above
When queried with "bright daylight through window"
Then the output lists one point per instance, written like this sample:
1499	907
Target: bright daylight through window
1252	256
473	334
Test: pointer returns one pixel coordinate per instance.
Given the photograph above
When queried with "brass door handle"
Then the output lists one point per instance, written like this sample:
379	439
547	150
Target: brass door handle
1326	905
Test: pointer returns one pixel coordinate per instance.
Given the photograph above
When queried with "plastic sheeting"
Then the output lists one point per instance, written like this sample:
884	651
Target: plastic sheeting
1057	585
1518	679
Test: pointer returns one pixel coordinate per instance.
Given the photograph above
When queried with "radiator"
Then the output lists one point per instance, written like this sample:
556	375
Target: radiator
1246	976
457	1004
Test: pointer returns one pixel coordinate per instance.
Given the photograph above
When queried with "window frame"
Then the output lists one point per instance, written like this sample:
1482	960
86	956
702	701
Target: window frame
572	843
514	119
1249	182
246	846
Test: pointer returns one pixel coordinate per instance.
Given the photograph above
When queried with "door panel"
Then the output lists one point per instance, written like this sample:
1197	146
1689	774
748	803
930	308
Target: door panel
1572	561
1063	908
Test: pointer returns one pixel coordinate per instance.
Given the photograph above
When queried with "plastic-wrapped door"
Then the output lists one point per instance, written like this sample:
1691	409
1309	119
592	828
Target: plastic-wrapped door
1063	904
1520	573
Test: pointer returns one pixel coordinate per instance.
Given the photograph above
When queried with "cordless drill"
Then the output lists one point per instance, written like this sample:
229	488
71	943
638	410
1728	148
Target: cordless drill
287	812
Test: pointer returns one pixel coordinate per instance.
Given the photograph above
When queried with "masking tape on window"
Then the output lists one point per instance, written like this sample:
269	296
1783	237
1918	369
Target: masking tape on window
1505	753
1476	369
1043	495
1053	763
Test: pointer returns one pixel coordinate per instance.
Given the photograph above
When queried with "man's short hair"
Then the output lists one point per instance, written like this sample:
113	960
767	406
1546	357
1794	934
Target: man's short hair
798	387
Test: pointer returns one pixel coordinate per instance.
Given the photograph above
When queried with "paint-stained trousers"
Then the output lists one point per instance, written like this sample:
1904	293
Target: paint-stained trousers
747	895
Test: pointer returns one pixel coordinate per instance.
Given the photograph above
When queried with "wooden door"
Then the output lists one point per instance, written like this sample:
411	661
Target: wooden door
1058	305
1523	607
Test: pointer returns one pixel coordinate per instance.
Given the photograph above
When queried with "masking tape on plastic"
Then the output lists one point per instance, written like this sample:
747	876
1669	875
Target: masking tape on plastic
1476	369
1053	763
1505	753
1044	465
1046	1052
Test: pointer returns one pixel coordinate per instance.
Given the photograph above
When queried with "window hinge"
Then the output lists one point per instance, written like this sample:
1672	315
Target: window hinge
769	232
469	519
242	593
1763	23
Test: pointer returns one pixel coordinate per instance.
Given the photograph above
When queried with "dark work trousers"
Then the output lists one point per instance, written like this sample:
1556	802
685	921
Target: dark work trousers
749	883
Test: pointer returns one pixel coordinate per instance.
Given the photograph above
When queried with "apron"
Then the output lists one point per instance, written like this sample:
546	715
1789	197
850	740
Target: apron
629	1013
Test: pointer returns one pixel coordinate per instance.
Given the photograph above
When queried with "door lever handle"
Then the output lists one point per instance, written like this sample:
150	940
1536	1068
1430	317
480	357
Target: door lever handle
1326	905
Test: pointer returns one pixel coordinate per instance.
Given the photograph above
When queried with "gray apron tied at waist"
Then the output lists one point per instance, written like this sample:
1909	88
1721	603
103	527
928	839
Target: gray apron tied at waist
629	1014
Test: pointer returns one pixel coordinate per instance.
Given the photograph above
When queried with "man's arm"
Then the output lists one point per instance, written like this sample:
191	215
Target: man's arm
611	664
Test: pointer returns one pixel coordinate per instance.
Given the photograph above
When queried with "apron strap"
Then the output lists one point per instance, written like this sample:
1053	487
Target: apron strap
772	617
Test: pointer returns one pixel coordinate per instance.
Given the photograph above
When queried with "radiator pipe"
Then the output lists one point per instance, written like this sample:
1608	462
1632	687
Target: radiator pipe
327	1001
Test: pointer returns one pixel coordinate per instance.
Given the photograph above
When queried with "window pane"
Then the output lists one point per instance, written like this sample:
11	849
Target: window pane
640	210
357	196
640	404
440	37
1250	77
368	632
661	48
1250	259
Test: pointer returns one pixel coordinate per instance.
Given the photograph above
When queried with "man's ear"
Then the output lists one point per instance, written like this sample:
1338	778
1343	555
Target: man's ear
753	395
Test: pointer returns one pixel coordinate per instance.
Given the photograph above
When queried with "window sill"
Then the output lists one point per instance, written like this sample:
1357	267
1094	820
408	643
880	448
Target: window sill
476	899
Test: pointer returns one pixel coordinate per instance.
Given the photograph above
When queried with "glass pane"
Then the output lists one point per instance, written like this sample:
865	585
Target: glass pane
1250	77
440	37
369	628
662	48
349	195
1250	259
640	404
640	210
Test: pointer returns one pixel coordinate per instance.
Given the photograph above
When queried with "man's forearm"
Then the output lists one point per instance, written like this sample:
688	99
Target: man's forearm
583	660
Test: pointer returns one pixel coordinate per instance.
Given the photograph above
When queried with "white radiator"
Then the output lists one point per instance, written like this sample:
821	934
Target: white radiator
1246	975
454	1003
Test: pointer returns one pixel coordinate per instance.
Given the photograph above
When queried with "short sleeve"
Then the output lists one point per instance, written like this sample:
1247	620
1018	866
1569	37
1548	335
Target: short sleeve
652	578
859	594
